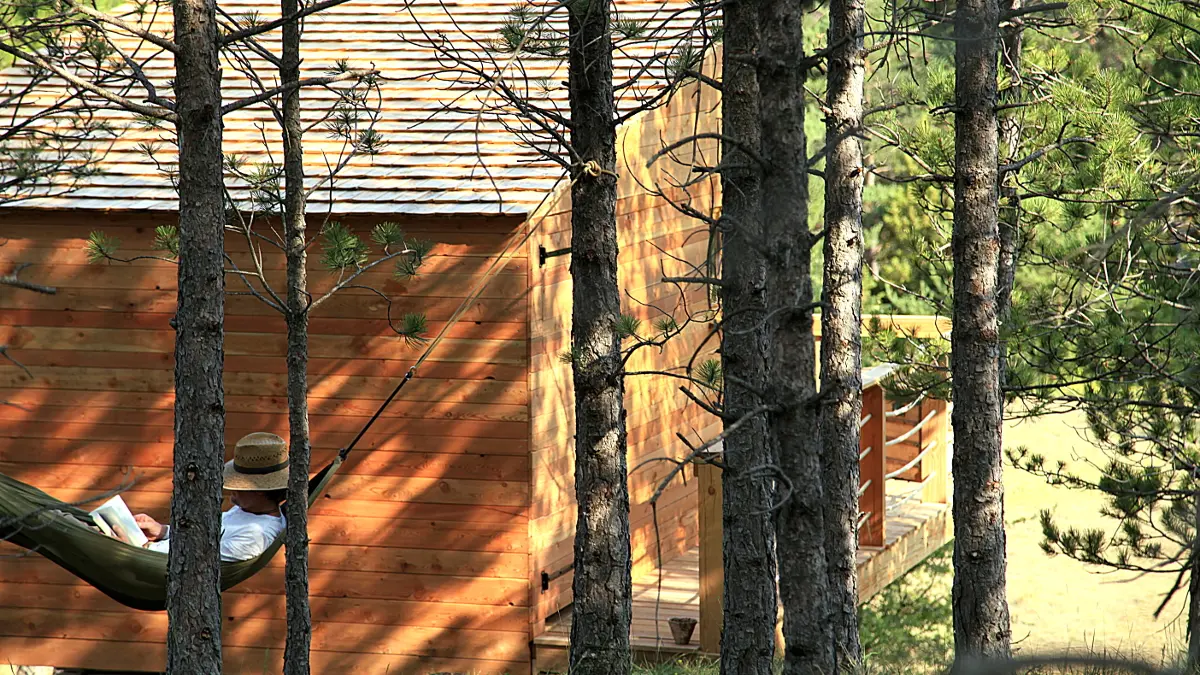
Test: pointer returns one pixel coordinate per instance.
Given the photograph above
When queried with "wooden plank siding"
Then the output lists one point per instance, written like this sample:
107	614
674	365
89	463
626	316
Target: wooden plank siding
655	239
420	554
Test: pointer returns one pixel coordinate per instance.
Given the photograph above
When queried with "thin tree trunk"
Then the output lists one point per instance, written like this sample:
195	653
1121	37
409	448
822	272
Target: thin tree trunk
299	617
602	588
1193	653
748	547
1010	201
800	526
194	572
841	320
981	620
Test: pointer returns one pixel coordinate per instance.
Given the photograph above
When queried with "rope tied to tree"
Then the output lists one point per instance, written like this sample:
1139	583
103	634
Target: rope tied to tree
592	169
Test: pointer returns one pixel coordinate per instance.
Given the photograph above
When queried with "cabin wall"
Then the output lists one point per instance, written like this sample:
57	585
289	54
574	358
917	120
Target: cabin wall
655	240
420	554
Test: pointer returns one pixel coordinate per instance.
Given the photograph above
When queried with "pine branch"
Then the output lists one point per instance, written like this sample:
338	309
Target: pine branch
1039	153
5	354
122	101
272	25
138	73
15	281
671	147
1163	17
308	82
692	280
710	81
698	450
357	273
146	35
1032	9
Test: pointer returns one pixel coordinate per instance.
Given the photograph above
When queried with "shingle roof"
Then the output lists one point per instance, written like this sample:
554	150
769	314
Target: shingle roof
442	156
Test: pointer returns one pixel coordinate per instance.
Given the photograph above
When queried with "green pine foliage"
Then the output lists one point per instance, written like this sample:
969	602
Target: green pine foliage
412	329
166	238
628	326
1104	306
101	247
342	248
710	374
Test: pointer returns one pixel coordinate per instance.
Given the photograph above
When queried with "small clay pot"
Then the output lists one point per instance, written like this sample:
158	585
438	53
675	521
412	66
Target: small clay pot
682	628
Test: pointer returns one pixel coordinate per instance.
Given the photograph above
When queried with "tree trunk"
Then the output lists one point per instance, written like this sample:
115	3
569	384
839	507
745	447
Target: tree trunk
841	321
194	572
1010	201
981	621
800	525
299	616
1193	653
602	588
748	547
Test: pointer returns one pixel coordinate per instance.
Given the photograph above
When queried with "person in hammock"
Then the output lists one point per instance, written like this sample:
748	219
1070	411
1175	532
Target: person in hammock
257	481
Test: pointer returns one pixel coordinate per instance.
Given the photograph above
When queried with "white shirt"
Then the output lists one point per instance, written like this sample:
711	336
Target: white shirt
244	535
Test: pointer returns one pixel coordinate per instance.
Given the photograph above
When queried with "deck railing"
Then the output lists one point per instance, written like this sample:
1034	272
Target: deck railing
904	444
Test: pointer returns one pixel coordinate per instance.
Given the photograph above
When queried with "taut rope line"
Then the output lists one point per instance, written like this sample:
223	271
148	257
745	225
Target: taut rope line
515	243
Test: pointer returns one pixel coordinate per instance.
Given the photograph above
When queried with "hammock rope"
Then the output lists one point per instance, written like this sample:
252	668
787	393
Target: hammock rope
137	577
514	243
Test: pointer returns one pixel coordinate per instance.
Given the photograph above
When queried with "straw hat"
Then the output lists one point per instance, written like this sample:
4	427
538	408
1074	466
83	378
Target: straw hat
260	462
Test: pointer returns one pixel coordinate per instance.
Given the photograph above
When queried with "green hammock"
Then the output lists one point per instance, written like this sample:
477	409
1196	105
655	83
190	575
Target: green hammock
133	576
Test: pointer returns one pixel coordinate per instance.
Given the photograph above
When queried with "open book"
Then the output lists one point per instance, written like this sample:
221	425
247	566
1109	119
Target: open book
115	519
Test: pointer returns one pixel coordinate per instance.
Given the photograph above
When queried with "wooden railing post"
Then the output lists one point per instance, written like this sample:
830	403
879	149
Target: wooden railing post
872	500
935	470
712	568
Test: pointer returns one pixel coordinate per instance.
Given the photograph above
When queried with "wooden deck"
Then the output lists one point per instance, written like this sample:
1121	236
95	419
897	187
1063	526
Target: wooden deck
914	530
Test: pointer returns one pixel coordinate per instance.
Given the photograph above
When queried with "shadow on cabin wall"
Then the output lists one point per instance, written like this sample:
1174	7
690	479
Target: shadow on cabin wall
419	548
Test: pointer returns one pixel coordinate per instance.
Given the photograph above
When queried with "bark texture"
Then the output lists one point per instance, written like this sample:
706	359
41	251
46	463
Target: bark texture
299	615
1010	202
602	587
793	426
1193	625
748	547
841	321
194	573
981	620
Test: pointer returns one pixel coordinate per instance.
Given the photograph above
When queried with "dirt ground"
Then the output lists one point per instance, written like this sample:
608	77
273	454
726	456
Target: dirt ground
1058	603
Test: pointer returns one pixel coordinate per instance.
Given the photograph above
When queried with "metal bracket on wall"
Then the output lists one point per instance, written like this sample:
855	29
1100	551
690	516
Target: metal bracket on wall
543	254
547	577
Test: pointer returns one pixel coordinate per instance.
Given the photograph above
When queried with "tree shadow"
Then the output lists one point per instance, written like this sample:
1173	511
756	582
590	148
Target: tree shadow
420	553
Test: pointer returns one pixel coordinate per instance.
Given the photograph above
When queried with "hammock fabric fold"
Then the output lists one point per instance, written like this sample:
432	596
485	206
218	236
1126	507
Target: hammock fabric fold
133	576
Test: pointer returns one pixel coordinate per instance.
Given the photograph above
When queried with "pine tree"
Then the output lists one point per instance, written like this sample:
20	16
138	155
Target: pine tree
299	614
196	244
788	325
583	142
981	621
49	144
747	643
602	587
1118	327
841	319
194	569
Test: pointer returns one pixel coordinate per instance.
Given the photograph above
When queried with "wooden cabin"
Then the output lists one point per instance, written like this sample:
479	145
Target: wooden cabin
445	543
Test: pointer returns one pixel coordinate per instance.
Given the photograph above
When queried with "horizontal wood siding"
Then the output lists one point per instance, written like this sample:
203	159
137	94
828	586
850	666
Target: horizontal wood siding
420	554
655	240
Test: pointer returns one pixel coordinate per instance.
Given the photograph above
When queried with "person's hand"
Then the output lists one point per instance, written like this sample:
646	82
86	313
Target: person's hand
149	526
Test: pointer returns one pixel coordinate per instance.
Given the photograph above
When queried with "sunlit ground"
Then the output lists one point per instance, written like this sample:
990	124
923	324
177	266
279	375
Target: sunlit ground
1058	603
